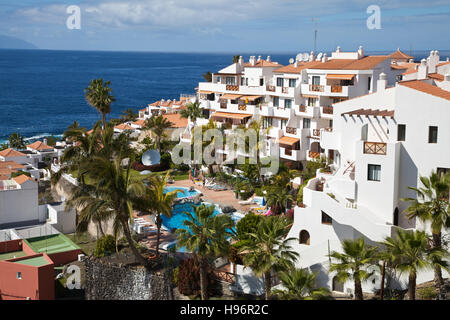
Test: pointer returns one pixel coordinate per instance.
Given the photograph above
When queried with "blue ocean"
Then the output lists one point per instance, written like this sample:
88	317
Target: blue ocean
41	91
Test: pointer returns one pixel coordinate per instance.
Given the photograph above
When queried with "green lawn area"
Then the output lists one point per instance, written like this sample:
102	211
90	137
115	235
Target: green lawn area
84	241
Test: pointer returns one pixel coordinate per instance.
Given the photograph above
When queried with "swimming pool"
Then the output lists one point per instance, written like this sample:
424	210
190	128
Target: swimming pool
185	193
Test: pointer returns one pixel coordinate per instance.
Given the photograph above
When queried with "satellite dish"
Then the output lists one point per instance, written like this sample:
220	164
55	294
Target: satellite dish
151	157
319	56
305	56
291	60
299	57
145	172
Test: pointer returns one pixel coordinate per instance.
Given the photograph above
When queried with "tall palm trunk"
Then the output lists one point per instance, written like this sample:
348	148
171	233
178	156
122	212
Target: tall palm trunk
258	164
383	272
267	284
203	284
412	286
104	120
438	280
358	289
100	228
126	231
158	234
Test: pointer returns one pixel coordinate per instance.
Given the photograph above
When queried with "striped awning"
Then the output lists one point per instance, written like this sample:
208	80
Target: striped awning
228	115
205	91
250	98
309	96
340	76
231	96
288	140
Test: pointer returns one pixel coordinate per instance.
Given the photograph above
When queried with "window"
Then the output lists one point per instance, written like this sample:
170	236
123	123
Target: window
276	101
331	123
218	79
312	102
288	103
401	132
306	123
230	80
374	172
280	82
304	237
283	123
242	81
369	82
267	122
19	275
261	81
292	83
326	219
432	134
316	80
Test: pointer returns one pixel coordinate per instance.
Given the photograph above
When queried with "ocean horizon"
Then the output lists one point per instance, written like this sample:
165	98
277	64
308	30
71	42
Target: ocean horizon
41	91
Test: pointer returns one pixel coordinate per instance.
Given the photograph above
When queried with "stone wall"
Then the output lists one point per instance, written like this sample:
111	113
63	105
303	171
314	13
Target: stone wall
106	281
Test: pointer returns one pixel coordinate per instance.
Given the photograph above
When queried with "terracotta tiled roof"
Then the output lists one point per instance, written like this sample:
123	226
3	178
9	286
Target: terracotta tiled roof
409	71
39	146
177	120
301	65
6	171
370	112
366	63
11	153
426	88
436	76
400	55
4	178
263	63
443	64
22	179
288	140
139	123
11	165
398	66
124	126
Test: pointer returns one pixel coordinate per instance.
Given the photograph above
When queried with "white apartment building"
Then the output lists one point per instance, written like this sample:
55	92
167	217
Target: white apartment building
381	143
295	101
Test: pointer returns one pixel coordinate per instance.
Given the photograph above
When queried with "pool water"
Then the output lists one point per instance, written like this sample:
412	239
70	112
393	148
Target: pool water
185	193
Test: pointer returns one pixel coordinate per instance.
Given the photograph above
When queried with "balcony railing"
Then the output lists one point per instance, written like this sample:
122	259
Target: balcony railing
231	87
336	88
288	152
316	87
242	107
291	130
316	132
328	110
223	105
375	148
313	154
328	129
270	88
285	90
302	108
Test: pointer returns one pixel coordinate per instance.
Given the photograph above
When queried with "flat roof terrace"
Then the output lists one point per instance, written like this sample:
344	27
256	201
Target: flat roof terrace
34	261
12	255
51	244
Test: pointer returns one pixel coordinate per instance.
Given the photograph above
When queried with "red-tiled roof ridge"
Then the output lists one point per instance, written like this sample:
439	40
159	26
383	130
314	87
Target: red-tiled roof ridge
10	152
39	145
22	179
426	88
398	54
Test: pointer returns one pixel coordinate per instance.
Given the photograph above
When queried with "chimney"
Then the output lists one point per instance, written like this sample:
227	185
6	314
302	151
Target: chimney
360	52
252	60
311	56
446	83
45	141
338	49
259	58
422	71
296	63
432	61
268	59
382	82
411	60
241	61
324	58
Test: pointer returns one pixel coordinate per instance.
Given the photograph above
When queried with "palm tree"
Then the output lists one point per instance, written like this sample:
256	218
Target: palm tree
300	284
117	193
129	115
236	58
193	110
4	146
99	96
353	263
268	250
432	206
206	236
157	125
16	141
411	253
159	202
207	76
277	198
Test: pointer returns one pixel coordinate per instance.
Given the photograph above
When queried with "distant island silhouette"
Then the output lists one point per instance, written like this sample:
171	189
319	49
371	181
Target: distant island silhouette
7	42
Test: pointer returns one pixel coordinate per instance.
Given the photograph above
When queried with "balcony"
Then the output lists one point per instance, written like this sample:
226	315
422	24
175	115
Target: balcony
302	108
375	148
327	110
336	88
242	107
314	155
230	87
285	90
270	88
289	154
316	87
291	130
316	132
223	105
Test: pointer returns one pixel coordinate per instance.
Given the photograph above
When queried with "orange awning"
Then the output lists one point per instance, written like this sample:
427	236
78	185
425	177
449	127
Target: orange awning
231	96
250	98
309	96
340	76
236	116
288	140
205	91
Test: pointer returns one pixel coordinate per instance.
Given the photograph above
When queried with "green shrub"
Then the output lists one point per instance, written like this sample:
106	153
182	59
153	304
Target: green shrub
166	161
175	276
105	246
428	293
246	225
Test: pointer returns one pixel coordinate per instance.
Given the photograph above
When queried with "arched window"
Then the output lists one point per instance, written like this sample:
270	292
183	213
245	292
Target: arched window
337	285
396	217
304	237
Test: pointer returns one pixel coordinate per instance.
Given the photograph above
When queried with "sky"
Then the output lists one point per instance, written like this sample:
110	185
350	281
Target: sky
228	25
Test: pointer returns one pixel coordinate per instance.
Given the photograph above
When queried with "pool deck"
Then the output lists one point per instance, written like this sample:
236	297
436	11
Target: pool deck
225	197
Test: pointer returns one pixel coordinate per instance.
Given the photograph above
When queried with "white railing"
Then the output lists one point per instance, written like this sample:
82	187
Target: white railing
69	178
